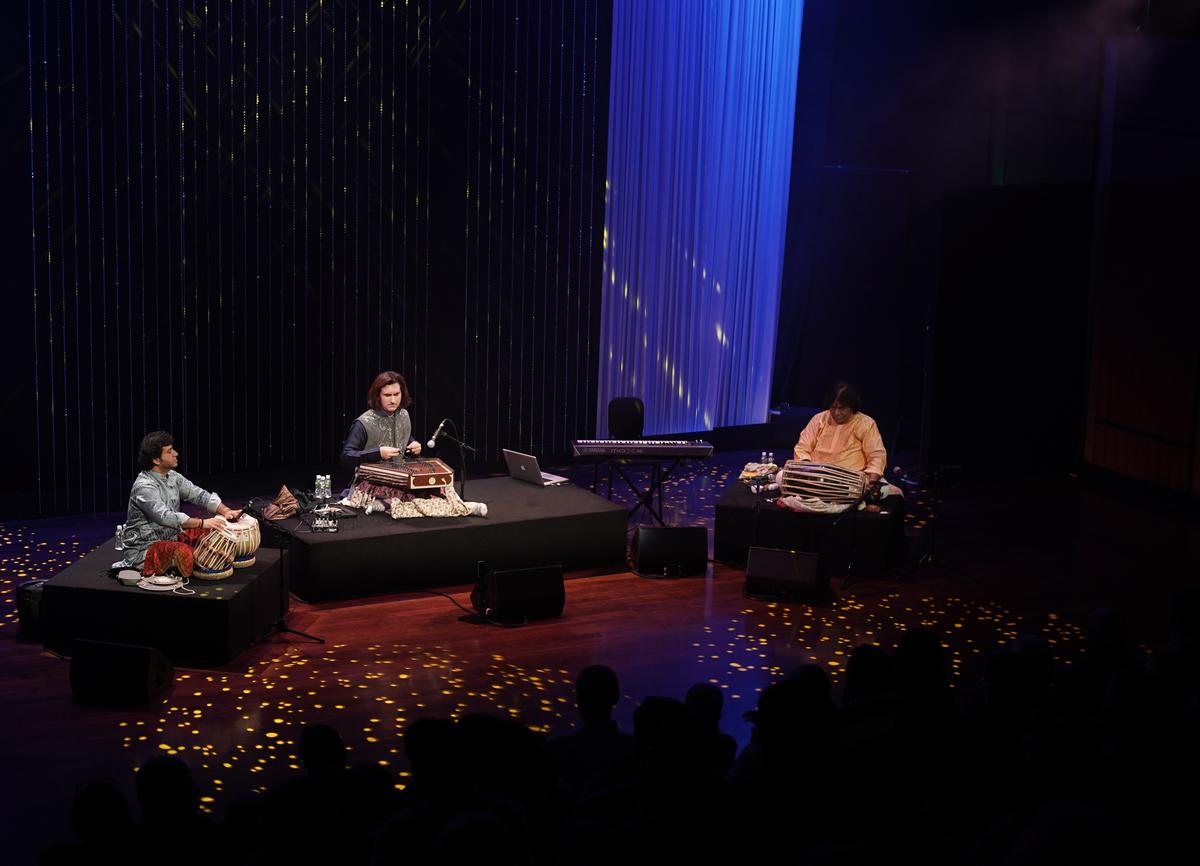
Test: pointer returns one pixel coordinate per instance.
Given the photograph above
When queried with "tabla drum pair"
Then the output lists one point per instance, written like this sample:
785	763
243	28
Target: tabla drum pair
222	550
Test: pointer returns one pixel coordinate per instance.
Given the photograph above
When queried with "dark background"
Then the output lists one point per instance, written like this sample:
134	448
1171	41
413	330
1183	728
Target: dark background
990	211
240	219
991	230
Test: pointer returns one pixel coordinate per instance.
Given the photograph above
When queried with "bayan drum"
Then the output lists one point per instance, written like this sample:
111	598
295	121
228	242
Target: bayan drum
823	481
245	530
214	555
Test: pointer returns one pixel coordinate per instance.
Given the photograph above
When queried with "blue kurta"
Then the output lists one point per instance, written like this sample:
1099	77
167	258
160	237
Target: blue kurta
153	513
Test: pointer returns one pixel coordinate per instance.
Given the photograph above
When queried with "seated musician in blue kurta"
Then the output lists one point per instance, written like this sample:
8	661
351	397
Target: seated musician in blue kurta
153	516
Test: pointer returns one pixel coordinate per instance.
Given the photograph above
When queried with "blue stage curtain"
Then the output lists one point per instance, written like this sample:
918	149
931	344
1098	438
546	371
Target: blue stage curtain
701	110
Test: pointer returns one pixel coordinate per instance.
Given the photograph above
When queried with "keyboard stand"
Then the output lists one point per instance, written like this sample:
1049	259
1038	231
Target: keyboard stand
645	498
620	454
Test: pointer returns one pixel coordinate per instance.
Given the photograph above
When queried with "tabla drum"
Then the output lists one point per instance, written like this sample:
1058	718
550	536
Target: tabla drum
245	530
823	481
214	555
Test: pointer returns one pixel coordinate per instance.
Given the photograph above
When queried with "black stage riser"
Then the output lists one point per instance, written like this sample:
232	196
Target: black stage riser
526	526
207	629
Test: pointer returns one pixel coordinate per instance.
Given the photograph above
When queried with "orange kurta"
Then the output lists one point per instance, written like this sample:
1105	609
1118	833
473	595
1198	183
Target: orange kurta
854	445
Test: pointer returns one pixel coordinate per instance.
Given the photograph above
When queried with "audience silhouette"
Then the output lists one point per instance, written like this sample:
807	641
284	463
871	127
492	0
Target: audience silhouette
1033	764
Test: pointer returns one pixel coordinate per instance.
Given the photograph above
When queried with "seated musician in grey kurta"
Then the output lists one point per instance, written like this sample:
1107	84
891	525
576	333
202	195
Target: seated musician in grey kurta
153	513
384	432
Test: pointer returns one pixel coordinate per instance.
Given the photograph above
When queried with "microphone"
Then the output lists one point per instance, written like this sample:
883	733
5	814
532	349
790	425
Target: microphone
436	433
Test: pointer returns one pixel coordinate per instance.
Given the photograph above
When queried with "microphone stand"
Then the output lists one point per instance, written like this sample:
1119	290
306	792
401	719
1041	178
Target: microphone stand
463	448
929	558
284	536
852	511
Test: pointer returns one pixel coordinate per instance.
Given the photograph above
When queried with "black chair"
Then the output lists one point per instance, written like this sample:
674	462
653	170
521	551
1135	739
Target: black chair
626	418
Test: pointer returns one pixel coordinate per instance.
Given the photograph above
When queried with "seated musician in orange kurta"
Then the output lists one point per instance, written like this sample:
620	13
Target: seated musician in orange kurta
844	436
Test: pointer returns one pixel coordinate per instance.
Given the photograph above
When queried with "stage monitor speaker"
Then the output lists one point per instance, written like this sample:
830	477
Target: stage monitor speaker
519	594
117	674
669	551
29	603
786	574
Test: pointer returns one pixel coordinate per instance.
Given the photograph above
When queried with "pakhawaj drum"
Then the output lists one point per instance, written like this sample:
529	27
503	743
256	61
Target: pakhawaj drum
823	481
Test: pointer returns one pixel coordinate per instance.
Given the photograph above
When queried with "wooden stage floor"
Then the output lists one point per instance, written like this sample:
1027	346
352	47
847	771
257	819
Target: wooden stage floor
1042	556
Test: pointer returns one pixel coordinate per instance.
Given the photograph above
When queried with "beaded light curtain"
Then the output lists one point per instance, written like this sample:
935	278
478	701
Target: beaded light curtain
701	108
242	210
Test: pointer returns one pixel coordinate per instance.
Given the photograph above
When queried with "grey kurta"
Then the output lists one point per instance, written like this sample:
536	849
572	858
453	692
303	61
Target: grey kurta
384	429
153	513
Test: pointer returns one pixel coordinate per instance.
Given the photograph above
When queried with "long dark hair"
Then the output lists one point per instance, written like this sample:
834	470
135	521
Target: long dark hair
388	377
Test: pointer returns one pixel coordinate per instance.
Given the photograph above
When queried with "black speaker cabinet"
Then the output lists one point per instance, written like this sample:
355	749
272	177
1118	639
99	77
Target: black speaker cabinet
29	603
117	674
669	551
520	594
788	574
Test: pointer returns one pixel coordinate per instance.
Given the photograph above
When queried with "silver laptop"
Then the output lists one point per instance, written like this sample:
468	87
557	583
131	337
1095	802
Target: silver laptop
525	468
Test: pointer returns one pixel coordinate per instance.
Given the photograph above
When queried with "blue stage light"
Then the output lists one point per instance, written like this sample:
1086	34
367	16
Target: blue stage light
702	105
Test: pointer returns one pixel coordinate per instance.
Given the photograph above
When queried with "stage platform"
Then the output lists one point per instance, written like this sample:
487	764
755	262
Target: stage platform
526	526
207	629
857	544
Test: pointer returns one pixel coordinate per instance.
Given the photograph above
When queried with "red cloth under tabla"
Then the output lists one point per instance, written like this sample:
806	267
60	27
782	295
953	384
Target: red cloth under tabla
177	554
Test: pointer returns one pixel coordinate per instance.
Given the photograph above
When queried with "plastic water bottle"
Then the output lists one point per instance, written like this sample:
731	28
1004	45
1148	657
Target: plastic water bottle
120	545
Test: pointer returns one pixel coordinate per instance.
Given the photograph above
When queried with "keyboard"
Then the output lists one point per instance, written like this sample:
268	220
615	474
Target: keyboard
659	449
